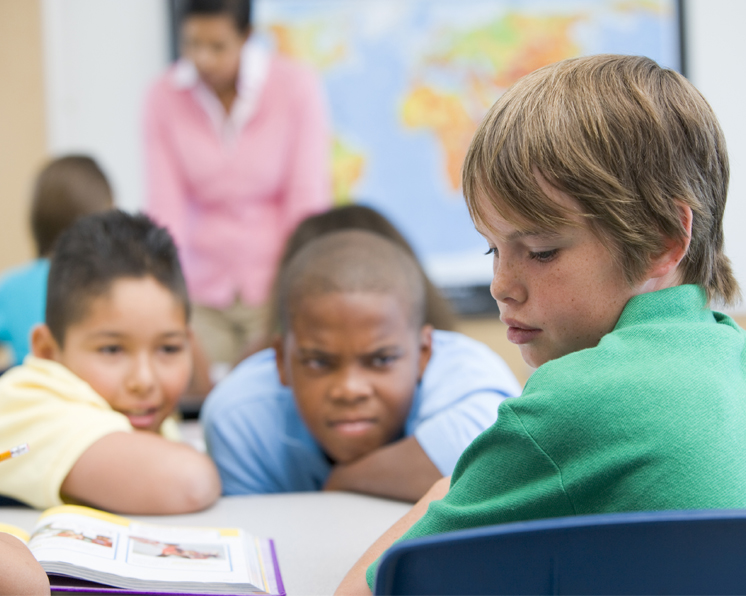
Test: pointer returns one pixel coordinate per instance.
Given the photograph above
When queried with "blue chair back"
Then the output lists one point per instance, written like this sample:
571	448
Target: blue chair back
669	552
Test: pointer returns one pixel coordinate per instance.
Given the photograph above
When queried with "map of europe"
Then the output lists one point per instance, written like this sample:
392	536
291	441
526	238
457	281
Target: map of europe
408	82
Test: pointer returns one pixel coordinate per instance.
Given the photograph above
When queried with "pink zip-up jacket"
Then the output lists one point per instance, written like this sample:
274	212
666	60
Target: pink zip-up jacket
231	187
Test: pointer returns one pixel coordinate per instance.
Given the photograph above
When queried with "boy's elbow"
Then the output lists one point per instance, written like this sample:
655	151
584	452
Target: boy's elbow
25	581
20	572
32	581
199	486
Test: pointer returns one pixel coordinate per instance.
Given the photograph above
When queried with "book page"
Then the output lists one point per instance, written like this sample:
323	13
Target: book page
110	545
72	534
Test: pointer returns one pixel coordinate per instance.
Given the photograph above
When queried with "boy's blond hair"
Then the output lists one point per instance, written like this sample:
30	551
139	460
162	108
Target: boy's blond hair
628	140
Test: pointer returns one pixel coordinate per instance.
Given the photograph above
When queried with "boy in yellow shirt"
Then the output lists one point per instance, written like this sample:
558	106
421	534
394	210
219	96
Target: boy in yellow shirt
93	400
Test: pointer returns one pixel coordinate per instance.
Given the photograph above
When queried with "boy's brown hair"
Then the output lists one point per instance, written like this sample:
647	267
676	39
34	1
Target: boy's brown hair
630	141
65	189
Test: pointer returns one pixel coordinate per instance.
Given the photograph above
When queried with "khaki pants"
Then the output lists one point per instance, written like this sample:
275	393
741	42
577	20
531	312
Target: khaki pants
225	333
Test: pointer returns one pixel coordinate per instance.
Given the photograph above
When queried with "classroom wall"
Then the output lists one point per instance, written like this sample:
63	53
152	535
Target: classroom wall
716	48
74	73
94	97
100	59
22	123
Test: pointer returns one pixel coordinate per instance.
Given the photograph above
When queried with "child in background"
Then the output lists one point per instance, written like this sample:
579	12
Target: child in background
66	189
108	367
438	312
359	393
600	186
20	572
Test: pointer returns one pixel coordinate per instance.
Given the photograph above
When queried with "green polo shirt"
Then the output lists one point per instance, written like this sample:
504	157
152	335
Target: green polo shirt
653	418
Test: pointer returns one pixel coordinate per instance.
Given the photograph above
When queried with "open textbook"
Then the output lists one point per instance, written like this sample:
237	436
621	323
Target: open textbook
77	545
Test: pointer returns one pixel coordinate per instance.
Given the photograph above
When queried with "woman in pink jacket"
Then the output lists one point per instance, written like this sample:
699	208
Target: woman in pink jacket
237	154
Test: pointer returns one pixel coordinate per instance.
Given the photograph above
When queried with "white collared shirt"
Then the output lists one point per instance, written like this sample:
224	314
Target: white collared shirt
252	75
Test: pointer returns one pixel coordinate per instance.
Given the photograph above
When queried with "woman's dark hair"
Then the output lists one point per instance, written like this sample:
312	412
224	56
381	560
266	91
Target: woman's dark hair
239	11
66	189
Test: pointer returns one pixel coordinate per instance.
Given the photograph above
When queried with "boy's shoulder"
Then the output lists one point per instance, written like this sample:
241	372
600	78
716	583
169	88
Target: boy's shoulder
666	343
60	417
456	343
462	373
252	382
660	397
39	379
460	360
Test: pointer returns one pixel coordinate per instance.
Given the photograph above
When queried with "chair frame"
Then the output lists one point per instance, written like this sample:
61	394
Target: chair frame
665	552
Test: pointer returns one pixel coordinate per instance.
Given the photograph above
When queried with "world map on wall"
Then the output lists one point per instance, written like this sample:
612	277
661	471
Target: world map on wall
408	81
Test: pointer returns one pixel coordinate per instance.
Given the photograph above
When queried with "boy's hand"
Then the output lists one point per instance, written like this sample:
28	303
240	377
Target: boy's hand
400	470
354	582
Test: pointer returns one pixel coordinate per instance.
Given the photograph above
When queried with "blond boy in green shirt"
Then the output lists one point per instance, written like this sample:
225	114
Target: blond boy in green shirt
599	184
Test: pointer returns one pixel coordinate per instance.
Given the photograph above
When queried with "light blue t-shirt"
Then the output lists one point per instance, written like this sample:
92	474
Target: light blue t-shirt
23	297
260	444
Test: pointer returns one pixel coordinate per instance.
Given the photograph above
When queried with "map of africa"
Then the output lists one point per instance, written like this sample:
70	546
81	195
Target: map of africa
408	81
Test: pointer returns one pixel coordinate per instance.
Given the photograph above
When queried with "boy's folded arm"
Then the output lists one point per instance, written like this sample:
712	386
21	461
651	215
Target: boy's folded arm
142	473
400	470
355	581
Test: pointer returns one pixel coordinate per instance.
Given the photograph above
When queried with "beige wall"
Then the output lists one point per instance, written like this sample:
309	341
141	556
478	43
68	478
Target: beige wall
22	128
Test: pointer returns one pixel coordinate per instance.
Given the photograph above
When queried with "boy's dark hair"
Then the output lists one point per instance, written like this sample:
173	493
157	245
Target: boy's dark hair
66	189
630	142
351	261
239	11
100	249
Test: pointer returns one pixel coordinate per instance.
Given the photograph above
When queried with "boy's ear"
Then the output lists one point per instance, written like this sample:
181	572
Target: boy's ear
43	344
675	250
279	346
426	348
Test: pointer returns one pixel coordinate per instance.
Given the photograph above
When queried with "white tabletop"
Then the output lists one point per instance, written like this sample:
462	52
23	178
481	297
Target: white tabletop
318	536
